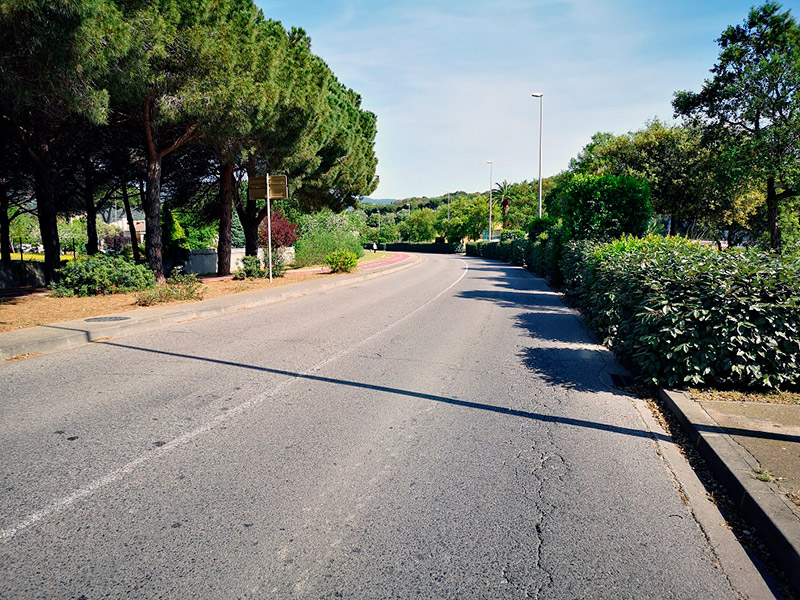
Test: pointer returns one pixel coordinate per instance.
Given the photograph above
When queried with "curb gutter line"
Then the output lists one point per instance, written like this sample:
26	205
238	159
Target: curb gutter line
759	501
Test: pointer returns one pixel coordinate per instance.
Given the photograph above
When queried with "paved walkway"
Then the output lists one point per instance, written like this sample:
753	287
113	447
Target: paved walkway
754	450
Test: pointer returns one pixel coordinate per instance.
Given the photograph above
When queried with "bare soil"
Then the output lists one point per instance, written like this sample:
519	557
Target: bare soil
41	309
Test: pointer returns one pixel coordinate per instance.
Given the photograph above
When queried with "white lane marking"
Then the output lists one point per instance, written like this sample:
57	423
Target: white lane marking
117	474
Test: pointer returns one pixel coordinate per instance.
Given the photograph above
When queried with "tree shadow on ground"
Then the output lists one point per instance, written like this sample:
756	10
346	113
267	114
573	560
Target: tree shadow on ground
502	410
566	354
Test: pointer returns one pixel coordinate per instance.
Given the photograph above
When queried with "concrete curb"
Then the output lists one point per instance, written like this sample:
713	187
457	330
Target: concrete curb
71	334
762	504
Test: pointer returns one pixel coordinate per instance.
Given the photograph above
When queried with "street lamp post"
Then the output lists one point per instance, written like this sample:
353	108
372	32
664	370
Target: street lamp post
489	162
539	95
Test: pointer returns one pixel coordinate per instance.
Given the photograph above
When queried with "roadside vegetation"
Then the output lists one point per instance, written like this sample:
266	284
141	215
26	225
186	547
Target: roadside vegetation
681	243
164	111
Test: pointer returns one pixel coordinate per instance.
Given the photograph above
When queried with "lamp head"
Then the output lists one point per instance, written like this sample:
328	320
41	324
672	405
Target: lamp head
537	94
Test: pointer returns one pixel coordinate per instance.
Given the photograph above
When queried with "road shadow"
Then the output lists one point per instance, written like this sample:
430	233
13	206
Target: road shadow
566	354
569	356
502	410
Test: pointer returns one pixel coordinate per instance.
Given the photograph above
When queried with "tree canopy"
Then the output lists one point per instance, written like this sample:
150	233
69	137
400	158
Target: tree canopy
751	105
167	96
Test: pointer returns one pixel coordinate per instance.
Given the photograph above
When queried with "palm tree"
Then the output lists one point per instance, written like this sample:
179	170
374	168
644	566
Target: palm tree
505	193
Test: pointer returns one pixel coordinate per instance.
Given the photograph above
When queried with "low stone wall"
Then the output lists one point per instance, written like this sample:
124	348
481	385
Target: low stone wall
204	262
20	274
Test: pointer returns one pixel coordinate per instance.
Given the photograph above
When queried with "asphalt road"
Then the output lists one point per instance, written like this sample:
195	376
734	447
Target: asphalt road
448	431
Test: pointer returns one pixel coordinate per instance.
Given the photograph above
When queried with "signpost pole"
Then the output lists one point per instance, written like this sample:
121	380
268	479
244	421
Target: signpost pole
269	231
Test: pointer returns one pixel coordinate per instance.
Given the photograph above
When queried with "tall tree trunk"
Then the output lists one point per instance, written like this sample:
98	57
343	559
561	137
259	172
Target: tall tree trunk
152	217
46	208
673	225
91	210
772	216
250	216
131	225
5	226
152	198
251	237
226	185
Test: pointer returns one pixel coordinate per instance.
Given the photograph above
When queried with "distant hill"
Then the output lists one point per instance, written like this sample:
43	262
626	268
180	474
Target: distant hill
379	200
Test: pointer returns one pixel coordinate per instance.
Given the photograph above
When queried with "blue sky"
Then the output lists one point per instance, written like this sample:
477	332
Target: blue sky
451	80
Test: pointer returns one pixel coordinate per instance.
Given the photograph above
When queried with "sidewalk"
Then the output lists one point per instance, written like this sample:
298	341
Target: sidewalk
754	451
70	334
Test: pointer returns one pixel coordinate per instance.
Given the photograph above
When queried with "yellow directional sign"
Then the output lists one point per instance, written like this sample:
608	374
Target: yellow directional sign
257	188
278	186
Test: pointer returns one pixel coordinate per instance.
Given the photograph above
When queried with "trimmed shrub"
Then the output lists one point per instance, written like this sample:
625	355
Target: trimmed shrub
686	314
544	254
509	235
250	268
519	248
495	250
102	274
538	226
342	261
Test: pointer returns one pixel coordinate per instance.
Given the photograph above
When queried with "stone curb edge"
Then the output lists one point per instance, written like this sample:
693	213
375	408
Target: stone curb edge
759	501
43	340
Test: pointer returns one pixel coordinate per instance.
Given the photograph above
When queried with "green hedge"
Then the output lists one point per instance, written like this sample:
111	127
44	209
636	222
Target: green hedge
430	247
679	312
686	314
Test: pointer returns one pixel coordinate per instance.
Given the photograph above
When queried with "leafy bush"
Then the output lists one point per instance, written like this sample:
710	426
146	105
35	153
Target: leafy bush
314	247
496	250
519	248
509	235
284	232
102	274
179	286
544	253
250	268
342	261
278	263
686	314
538	226
606	207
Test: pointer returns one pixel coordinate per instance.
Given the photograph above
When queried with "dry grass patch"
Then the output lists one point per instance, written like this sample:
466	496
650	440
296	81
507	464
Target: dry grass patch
770	397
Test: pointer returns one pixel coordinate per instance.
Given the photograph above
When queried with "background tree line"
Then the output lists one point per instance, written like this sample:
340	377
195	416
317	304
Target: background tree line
168	103
728	171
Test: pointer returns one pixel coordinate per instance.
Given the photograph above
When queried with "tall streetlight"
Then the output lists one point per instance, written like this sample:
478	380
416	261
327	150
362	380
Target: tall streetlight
541	101
489	162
